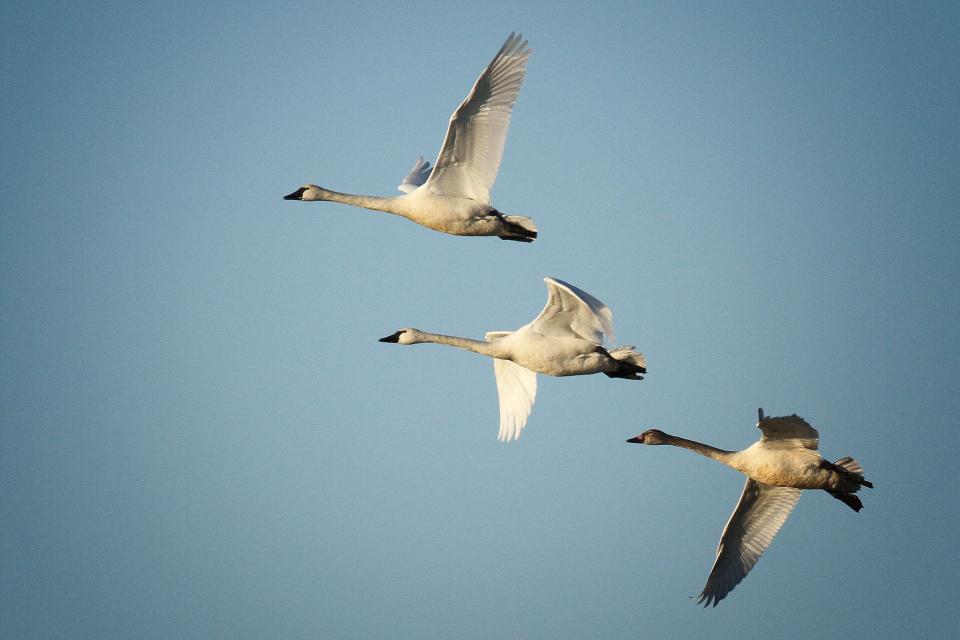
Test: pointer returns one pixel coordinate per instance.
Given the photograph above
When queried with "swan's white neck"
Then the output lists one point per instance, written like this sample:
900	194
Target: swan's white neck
720	455
377	203
490	349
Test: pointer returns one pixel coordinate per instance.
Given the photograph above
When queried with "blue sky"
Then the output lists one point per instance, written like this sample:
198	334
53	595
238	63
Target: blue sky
203	438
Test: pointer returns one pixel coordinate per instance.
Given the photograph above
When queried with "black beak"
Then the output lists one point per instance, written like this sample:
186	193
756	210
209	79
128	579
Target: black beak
296	195
636	440
393	337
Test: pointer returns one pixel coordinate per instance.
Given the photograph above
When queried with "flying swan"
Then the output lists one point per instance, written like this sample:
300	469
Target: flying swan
566	339
778	466
454	196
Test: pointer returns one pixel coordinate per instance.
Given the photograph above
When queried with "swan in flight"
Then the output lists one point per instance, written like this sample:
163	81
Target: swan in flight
454	196
566	339
778	466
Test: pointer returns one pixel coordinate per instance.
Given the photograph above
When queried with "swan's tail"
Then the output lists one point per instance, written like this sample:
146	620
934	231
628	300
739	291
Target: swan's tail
519	228
853	472
630	364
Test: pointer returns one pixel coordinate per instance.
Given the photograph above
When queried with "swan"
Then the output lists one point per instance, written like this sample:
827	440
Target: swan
782	463
566	339
454	196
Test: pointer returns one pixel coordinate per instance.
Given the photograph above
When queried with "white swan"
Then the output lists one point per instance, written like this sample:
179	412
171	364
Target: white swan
778	466
564	340
455	196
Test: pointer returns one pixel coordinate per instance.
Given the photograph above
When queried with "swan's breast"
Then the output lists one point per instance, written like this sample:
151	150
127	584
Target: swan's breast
450	214
556	356
797	468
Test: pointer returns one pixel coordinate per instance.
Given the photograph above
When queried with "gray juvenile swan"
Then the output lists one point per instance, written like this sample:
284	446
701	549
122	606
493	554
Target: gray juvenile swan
454	197
782	463
564	340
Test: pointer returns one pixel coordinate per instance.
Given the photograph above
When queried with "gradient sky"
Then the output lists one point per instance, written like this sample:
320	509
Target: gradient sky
202	437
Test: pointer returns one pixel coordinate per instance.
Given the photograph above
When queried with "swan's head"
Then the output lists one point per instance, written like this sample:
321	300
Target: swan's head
307	192
650	436
404	336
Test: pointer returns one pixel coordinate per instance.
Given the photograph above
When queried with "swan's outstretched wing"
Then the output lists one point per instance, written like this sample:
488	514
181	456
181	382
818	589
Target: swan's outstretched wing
517	389
762	510
573	312
417	176
787	432
471	152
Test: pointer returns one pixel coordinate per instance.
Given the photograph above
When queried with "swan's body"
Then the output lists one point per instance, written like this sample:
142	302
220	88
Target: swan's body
783	462
454	196
566	339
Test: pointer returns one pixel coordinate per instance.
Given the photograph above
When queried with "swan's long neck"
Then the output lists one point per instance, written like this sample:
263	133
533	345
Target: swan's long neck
377	203
713	453
477	346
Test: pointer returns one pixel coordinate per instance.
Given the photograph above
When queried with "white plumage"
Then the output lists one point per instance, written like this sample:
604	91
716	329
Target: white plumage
782	463
566	339
454	196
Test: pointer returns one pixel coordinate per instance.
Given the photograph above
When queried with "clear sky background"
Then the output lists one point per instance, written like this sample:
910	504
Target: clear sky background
202	437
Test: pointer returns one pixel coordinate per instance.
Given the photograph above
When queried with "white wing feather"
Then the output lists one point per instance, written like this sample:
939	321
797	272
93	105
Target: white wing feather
516	388
762	510
417	176
788	432
573	310
470	155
